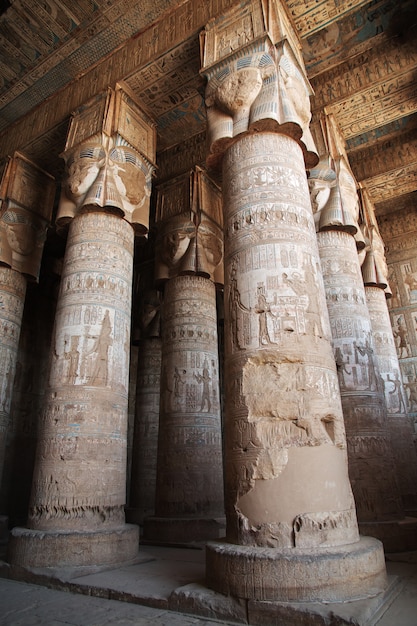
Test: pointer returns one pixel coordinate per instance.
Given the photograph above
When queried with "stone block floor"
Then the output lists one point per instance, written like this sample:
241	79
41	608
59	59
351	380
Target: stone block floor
165	587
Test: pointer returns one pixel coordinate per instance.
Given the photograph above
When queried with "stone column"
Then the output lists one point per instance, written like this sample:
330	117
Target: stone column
292	533
148	383
375	272
372	468
189	503
26	196
12	298
76	514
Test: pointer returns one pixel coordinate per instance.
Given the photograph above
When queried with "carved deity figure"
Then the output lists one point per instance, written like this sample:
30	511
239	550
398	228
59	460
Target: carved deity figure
263	309
205	379
367	351
341	368
397	392
401	334
100	352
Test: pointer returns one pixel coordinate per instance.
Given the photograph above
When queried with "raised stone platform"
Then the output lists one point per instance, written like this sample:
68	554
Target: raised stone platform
173	579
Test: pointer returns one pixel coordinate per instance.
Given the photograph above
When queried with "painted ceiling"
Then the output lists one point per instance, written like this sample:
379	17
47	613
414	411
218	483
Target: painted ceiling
361	59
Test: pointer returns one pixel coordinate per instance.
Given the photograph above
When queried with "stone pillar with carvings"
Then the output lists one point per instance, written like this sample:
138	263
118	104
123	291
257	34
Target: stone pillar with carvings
189	503
26	201
375	277
146	426
76	514
372	468
292	533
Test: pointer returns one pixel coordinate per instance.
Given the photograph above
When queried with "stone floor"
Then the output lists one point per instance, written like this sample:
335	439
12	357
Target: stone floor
165	586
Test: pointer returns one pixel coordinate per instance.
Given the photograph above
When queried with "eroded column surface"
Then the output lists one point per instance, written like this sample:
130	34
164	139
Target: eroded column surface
189	489
287	486
284	422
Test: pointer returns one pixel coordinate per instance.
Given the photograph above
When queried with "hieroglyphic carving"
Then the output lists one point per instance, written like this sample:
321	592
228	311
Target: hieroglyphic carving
377	65
346	37
190	427
277	401
12	296
145	438
361	383
85	413
136	52
397	401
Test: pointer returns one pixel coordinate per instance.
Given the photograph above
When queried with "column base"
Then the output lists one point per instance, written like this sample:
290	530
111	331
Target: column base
336	574
395	535
183	530
39	548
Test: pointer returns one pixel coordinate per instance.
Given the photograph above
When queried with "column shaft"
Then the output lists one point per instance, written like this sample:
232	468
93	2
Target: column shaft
399	424
145	438
189	489
371	463
283	414
12	299
287	488
78	492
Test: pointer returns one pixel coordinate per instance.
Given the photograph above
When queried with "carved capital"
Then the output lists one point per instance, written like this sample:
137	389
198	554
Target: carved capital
27	196
374	266
190	235
109	157
256	79
332	184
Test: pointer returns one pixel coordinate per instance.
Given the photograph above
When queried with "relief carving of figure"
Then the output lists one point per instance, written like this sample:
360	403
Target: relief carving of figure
263	309
411	385
341	368
367	351
73	358
401	333
205	379
100	353
397	392
237	310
